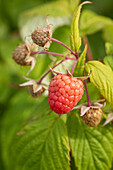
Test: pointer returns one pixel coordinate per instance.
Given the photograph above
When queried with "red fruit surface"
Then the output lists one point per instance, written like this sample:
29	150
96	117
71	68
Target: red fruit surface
64	93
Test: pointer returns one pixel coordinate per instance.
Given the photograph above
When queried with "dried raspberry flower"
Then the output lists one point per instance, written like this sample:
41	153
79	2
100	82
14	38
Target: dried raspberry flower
41	36
21	55
38	92
64	93
35	89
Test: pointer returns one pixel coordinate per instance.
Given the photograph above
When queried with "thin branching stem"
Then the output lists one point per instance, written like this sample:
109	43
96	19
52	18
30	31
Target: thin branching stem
59	42
66	58
73	67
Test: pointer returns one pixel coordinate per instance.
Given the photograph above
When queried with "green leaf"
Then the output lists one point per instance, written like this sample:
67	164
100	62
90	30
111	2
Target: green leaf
109	49
108	33
108	60
97	45
91	90
91	148
42	144
62	34
90	22
73	4
47	9
20	107
57	16
4	29
102	77
13	10
80	64
75	38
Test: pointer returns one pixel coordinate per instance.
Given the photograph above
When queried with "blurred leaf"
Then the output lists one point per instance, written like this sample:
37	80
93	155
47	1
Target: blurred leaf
6	49
90	22
73	4
62	34
91	90
108	60
47	9
11	9
80	64
40	68
4	29
101	7
109	49
8	69
42	144
36	17
4	86
91	148
97	45
102	77
108	33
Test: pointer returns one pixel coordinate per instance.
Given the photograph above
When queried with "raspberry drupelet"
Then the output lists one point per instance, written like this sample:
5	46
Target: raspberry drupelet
64	93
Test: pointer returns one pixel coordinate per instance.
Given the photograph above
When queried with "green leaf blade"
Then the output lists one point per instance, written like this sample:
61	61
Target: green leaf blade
102	77
90	22
89	146
43	145
108	60
109	49
75	37
80	64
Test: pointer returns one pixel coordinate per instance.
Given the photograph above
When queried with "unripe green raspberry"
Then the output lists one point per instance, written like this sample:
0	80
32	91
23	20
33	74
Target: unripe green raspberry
20	54
92	117
40	36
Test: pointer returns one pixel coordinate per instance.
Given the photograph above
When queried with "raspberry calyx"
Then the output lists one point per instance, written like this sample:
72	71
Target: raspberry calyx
64	93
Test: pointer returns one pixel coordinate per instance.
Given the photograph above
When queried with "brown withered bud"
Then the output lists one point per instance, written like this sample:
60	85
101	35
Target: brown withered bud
35	89
38	93
92	117
41	36
20	54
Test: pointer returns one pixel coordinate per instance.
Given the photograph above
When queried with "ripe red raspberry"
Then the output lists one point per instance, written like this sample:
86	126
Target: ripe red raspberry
92	117
64	93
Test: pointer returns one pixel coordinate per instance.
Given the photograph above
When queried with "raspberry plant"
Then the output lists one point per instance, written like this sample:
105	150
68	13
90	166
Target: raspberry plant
70	127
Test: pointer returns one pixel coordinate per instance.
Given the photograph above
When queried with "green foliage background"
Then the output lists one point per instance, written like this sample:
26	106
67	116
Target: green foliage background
21	114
